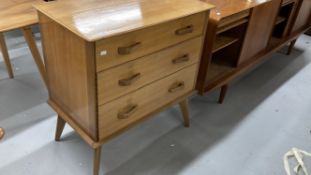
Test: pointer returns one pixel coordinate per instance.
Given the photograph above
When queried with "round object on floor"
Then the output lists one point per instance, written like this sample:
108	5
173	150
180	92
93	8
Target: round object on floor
1	133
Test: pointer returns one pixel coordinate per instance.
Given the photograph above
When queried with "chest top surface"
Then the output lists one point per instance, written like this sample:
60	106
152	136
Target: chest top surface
98	19
17	13
225	8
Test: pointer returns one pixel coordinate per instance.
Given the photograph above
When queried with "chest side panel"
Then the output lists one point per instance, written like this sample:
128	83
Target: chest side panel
70	66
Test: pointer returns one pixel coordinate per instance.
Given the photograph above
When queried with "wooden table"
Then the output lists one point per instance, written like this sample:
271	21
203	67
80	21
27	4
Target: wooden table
20	14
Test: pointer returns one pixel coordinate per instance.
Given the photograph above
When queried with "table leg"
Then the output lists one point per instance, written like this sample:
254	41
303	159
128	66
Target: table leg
5	54
185	112
35	52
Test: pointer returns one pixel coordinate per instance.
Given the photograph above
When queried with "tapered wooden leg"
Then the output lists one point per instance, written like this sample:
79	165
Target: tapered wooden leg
223	92
97	154
59	128
34	51
5	55
291	46
185	112
1	133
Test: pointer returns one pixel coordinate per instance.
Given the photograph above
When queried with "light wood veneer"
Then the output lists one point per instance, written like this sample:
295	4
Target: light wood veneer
16	14
148	40
111	64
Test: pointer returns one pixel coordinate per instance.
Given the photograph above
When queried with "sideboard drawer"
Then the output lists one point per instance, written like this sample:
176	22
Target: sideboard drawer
123	48
119	114
118	81
234	18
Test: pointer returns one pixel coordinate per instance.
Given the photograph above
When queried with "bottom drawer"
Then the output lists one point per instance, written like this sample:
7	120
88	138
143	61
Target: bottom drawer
119	114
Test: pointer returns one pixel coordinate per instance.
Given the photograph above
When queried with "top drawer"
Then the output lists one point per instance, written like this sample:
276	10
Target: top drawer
122	48
234	17
227	21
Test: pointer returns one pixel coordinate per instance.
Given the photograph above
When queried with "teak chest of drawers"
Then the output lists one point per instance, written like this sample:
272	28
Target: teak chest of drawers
111	64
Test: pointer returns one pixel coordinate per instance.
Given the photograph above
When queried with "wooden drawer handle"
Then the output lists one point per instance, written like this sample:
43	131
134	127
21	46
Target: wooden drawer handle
130	80
127	111
185	30
181	59
128	49
176	87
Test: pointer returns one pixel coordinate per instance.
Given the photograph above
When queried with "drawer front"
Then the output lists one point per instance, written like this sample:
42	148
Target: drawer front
118	81
233	18
122	48
121	113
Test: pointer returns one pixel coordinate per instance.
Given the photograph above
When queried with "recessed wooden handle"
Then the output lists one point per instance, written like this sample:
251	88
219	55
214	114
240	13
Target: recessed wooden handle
128	49
185	30
127	111
176	87
130	80
181	59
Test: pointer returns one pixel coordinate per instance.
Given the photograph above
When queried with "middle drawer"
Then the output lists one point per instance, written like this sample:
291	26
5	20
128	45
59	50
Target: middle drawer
118	81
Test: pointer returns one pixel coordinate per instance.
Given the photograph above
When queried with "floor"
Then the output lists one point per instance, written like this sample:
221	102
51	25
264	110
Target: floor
265	114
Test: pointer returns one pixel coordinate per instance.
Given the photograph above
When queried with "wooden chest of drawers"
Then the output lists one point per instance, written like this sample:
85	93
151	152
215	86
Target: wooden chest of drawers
111	64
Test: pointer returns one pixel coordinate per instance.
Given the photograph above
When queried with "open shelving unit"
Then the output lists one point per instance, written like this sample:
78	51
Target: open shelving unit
223	41
217	69
283	20
226	47
280	19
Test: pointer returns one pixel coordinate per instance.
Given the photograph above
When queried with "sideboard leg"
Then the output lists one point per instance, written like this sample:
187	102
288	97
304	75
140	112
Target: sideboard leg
291	46
59	128
6	57
223	92
185	112
97	154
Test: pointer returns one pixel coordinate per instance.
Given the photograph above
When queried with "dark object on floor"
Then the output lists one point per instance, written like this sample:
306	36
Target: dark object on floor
1	133
309	32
